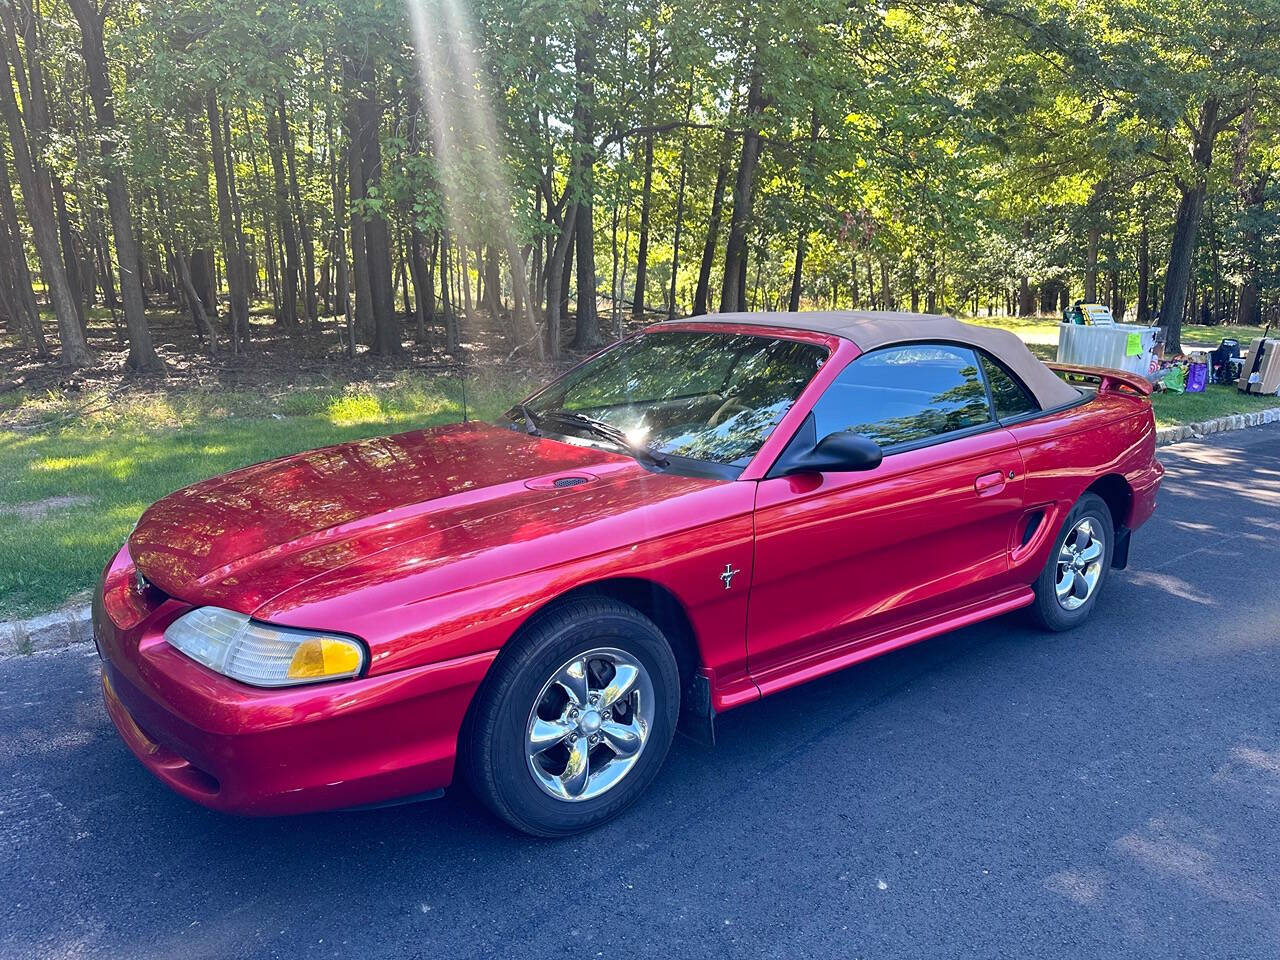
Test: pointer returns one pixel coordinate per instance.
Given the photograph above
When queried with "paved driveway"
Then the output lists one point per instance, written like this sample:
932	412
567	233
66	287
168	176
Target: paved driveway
995	792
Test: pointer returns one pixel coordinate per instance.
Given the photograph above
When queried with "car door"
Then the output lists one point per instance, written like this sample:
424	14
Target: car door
845	558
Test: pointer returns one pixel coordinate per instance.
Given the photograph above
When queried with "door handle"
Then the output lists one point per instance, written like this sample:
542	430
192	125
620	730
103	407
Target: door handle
989	484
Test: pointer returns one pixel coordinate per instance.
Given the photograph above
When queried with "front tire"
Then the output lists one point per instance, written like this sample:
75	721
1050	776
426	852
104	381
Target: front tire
1072	578
574	719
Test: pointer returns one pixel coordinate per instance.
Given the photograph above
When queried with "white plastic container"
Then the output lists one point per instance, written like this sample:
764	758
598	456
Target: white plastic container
1107	346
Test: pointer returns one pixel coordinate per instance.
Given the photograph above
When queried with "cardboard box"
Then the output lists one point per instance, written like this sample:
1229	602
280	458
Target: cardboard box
1267	379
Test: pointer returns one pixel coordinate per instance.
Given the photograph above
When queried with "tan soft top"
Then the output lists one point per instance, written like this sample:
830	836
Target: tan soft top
869	329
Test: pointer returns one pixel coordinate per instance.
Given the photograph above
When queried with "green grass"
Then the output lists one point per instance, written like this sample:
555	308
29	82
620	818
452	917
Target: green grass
116	460
1216	401
1033	331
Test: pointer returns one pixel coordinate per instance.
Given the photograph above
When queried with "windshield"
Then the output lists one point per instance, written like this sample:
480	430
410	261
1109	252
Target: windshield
706	396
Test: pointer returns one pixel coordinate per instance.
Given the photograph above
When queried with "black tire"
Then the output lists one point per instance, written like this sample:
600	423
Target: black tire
1047	611
493	747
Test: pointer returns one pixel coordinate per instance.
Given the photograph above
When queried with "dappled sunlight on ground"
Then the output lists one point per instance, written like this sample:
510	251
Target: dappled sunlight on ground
1170	584
1177	847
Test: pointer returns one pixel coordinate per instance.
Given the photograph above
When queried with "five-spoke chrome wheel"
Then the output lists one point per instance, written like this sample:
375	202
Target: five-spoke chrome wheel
1079	564
589	724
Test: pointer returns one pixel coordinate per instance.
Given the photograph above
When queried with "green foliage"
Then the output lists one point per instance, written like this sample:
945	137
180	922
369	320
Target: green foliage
912	152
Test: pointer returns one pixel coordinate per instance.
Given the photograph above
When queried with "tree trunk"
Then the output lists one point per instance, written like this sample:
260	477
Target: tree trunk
201	265
703	291
1252	196
646	191
452	340
359	278
19	272
797	270
284	223
67	241
587	334
732	289
587	328
106	276
232	242
1187	225
37	195
310	303
195	304
464	277
524	319
377	237
556	279
423	293
142	355
492	281
1144	272
679	228
237	222
1026	297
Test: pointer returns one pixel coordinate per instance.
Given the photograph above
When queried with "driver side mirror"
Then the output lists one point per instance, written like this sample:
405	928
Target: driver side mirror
838	452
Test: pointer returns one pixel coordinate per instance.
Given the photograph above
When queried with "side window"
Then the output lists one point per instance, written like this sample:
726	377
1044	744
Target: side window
1009	396
905	394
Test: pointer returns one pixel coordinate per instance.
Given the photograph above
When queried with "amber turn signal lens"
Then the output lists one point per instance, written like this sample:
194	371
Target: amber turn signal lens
324	657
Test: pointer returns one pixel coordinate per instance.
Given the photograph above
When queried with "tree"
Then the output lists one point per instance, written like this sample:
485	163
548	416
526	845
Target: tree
37	193
142	355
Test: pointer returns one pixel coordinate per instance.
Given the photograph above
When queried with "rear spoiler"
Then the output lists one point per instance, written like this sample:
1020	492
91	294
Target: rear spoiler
1108	381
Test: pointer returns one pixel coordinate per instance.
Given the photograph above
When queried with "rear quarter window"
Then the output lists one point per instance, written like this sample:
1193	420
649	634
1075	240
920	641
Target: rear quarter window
1010	398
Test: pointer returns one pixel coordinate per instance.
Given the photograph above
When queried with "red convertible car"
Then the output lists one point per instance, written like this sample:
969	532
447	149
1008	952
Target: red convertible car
705	513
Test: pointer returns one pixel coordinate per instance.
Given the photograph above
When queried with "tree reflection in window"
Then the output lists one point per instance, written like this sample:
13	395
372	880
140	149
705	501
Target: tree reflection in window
707	396
901	395
1011	398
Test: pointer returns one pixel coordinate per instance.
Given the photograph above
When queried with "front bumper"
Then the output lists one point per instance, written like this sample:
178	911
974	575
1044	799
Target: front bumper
245	750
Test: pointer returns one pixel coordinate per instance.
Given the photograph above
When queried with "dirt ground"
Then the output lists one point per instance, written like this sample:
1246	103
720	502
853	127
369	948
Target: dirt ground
274	359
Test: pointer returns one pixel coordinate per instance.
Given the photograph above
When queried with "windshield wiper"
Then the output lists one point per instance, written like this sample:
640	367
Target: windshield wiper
607	431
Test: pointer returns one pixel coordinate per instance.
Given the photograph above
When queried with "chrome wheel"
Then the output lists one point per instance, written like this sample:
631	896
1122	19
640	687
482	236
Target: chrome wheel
589	724
1080	564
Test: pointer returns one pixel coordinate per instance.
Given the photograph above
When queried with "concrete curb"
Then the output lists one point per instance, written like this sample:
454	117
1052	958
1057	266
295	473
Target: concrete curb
1234	421
62	628
70	625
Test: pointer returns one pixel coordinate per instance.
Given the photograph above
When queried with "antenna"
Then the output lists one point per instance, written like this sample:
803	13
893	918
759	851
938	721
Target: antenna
464	385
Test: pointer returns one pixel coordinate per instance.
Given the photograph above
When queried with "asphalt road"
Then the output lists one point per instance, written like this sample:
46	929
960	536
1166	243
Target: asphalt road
1114	792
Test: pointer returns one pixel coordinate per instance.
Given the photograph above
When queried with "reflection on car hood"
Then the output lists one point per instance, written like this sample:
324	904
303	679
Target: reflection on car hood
242	538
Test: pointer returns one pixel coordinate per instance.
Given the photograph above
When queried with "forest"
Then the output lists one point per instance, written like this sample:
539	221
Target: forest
398	176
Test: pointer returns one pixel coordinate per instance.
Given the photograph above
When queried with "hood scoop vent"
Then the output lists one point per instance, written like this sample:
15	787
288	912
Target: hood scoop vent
560	483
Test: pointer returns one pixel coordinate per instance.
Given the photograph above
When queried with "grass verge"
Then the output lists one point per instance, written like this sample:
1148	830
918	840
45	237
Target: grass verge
1216	401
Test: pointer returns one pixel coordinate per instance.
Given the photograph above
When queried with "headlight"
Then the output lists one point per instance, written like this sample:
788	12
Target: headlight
253	652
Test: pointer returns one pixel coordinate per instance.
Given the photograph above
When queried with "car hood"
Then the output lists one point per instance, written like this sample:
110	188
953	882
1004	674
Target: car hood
242	538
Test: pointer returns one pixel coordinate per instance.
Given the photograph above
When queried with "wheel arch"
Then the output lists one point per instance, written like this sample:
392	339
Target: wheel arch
654	601
1117	494
645	596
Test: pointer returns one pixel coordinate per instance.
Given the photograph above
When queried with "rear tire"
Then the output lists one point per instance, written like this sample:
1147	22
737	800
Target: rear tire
546	743
1077	568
